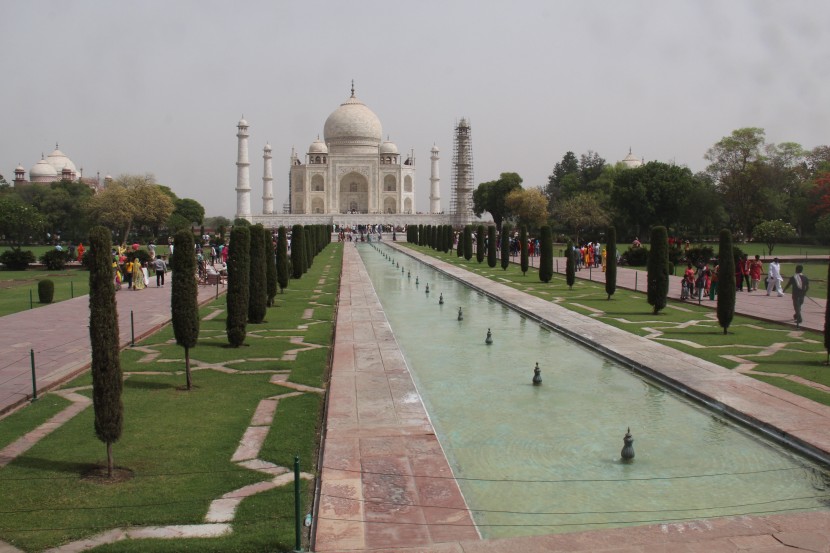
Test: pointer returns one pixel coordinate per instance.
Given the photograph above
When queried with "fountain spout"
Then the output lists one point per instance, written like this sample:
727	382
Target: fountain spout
537	376
627	452
460	315
489	339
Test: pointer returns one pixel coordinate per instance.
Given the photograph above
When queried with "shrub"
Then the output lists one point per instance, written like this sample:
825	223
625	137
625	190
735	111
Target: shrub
468	242
297	252
184	304
282	258
699	254
239	274
16	259
480	235
635	257
658	269
570	264
55	260
505	246
611	262
546	255
491	246
45	290
726	281
257	284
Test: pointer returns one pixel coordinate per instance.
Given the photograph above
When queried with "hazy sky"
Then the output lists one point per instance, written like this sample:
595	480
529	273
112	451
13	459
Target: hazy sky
158	86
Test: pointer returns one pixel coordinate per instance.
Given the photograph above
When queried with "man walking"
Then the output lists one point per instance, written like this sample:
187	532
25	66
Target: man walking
161	267
774	278
800	284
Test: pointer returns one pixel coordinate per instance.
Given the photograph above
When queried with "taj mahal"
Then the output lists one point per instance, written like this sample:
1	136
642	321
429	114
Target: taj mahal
350	177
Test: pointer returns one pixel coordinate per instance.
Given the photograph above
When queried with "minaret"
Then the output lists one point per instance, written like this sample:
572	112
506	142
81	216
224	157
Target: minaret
267	182
243	181
434	183
461	202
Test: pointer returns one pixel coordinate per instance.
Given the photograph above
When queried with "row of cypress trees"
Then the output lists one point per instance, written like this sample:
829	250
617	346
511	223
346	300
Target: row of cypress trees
437	237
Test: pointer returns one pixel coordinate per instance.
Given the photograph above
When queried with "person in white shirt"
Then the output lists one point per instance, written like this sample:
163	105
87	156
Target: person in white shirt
774	278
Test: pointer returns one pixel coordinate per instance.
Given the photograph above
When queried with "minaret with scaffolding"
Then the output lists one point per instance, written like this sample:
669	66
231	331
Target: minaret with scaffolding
461	202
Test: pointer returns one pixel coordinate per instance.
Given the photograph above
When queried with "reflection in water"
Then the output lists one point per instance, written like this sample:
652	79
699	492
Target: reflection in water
542	459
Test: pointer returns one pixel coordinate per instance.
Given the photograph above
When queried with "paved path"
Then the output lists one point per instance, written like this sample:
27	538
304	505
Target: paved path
803	422
59	336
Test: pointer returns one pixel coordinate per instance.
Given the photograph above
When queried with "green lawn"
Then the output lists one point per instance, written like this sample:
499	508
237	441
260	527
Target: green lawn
18	289
772	348
178	444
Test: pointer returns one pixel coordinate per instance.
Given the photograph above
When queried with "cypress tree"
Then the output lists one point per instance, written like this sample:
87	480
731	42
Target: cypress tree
258	285
468	242
491	246
107	381
546	254
525	262
239	275
297	251
658	269
726	280
826	318
421	235
184	298
505	246
459	247
309	249
270	267
611	262
570	265
450	236
480	239
282	259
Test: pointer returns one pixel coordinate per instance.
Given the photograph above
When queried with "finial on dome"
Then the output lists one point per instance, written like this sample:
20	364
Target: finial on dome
56	146
352	88
629	150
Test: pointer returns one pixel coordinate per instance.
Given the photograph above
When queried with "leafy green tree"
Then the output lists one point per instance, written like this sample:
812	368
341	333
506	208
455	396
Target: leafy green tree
523	248
582	212
527	206
62	205
726	280
658	269
568	167
239	276
468	242
184	299
131	201
773	232
282	258
297	252
611	262
505	246
107	381
240	222
734	162
490	196
270	267
258	286
570	265
19	223
491	246
546	254
190	210
309	249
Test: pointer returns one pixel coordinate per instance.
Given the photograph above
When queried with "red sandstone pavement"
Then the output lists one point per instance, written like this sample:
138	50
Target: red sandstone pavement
364	391
59	336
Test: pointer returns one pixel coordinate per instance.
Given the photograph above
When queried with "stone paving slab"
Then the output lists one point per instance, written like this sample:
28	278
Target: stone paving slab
59	335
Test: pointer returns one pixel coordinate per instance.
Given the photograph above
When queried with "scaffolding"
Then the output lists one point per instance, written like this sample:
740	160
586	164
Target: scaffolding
461	202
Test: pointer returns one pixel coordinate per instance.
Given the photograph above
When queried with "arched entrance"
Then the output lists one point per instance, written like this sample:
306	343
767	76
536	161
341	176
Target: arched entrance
354	194
389	205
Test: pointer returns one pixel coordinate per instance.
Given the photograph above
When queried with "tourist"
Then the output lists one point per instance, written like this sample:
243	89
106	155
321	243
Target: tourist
800	284
161	267
713	285
138	274
755	270
744	264
80	252
774	278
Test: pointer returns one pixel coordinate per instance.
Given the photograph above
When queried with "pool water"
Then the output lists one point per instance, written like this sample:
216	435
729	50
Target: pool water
545	459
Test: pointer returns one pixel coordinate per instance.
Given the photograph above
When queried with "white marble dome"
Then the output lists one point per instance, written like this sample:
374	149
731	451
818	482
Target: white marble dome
631	161
59	161
353	123
318	147
388	147
43	172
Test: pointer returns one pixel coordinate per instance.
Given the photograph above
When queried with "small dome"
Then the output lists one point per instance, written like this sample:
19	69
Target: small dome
318	147
434	149
43	172
267	147
631	161
19	168
353	124
388	148
242	123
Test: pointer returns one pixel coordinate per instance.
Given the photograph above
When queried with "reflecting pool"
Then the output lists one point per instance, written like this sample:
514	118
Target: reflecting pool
545	459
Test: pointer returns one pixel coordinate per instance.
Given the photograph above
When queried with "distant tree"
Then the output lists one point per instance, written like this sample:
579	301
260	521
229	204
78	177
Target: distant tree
184	302
19	223
460	245
569	166
240	222
190	210
107	381
523	248
176	223
546	254
491	246
239	276
570	265
270	267
505	246
282	258
581	211
490	196
468	242
611	262
258	286
658	269
309	249
480	243
773	232
297	252
726	280
131	201
527	206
